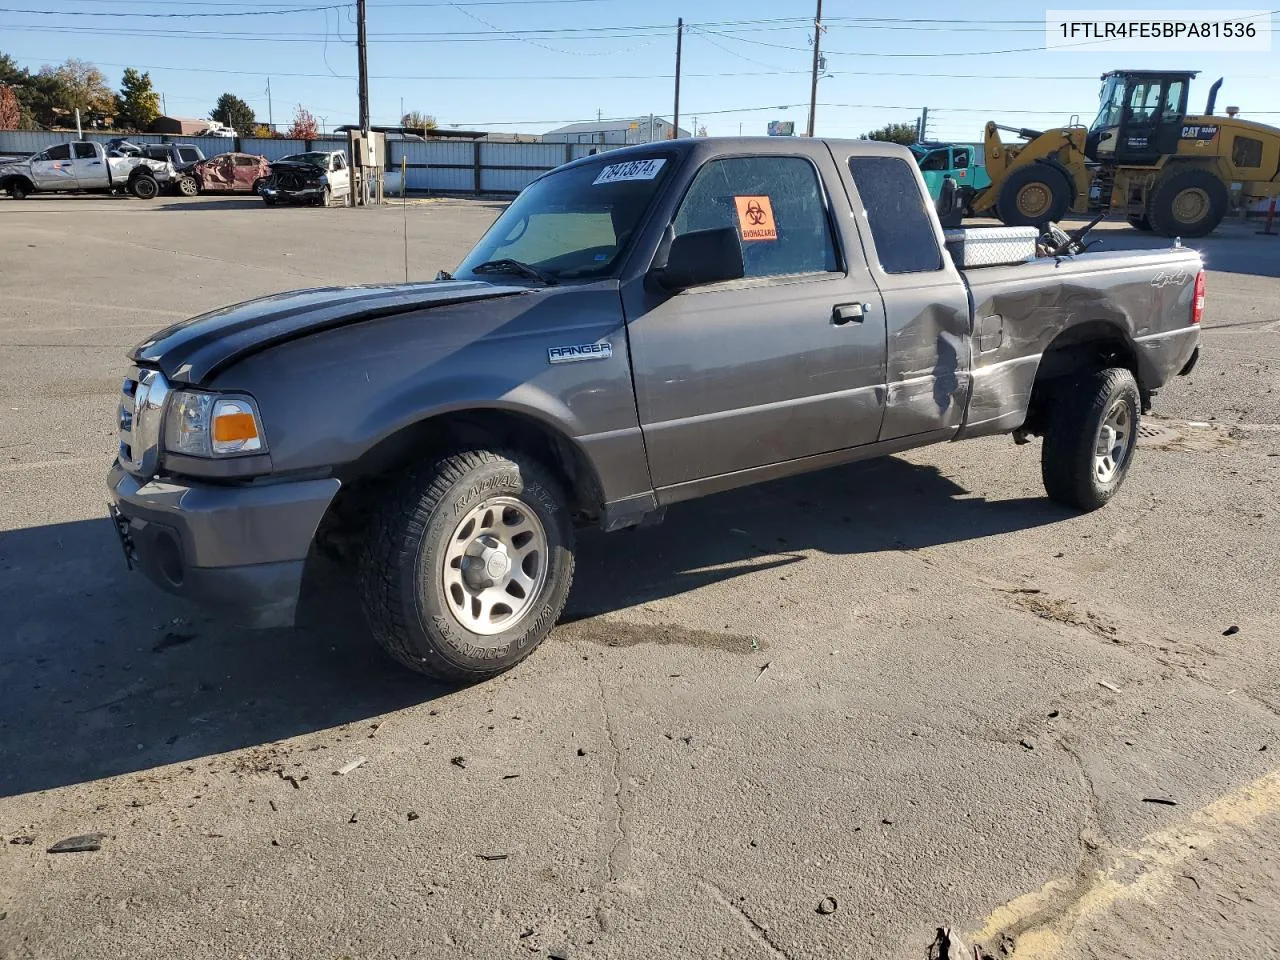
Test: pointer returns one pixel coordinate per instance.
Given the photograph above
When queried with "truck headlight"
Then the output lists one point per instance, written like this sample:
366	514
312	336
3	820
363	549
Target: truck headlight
208	425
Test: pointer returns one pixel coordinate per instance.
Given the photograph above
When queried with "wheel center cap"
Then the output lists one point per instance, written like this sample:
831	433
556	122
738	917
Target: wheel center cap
496	565
1106	440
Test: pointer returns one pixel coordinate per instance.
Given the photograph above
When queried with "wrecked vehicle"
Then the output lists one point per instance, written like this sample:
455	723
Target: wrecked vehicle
226	173
316	177
637	329
84	166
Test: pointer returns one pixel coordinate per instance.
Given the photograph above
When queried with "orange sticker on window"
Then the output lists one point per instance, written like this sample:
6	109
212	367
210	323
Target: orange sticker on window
755	218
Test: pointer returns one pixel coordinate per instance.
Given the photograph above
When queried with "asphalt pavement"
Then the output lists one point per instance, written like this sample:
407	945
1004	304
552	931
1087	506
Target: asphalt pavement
817	718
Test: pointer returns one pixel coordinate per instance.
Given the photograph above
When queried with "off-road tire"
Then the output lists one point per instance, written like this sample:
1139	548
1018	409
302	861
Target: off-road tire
1142	223
1067	455
401	569
1160	203
1052	180
144	187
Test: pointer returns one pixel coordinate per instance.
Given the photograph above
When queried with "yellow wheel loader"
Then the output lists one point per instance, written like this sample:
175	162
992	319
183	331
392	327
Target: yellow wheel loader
1143	155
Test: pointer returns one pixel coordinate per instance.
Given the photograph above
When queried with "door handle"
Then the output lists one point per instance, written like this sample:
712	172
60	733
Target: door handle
849	313
95	163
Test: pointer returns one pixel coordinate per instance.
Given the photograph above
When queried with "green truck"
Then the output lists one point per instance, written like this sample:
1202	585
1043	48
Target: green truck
960	161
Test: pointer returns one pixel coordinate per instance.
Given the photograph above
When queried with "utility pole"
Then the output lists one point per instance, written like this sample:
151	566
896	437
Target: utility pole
271	120
362	68
675	113
164	109
813	89
923	133
695	126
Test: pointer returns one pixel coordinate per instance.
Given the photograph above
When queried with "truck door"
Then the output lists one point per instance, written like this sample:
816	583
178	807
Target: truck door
53	169
926	304
934	167
90	165
787	362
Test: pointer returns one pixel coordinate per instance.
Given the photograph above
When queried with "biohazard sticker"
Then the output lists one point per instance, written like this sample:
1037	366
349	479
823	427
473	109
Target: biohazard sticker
755	218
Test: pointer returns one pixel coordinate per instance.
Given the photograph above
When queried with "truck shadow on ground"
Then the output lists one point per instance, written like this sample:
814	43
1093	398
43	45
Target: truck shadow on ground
103	674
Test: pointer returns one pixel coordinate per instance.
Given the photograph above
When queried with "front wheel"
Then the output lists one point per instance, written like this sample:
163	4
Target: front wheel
258	185
1089	441
468	565
19	190
144	188
188	187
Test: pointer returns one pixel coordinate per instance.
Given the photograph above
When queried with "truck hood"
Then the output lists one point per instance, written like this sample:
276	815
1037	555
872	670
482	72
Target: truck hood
195	349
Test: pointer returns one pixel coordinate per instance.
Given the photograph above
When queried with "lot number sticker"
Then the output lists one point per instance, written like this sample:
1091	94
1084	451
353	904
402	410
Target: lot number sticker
755	218
632	170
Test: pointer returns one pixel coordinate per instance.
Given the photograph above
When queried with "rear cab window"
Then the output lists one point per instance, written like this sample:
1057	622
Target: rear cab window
85	151
901	226
776	205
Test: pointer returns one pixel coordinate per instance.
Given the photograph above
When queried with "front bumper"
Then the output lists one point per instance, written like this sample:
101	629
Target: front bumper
293	196
239	549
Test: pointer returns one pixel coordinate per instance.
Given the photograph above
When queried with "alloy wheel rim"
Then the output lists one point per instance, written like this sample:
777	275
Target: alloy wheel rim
495	565
1111	447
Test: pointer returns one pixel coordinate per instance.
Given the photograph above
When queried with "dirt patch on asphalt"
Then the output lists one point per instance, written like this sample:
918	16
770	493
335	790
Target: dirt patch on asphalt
1184	437
1061	610
616	633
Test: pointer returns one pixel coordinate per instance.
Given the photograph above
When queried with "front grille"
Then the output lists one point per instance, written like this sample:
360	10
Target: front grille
142	401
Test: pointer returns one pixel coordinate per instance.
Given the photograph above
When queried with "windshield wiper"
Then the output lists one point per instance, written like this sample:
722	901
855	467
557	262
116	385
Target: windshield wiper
516	267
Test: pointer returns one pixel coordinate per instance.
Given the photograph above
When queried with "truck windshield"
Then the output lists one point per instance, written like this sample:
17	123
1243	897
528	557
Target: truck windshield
1110	104
575	223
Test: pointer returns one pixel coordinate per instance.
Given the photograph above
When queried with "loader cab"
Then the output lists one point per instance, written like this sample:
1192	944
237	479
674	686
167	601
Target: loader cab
1140	114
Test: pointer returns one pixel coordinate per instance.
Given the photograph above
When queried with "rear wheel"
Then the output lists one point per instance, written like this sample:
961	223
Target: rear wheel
1089	441
144	187
1187	203
468	565
1033	196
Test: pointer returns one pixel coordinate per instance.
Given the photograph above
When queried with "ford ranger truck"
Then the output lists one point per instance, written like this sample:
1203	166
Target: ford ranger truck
638	328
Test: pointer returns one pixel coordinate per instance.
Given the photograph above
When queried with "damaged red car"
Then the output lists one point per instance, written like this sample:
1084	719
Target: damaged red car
225	173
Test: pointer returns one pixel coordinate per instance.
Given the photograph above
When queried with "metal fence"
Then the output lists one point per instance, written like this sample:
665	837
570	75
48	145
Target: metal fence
26	142
480	166
443	166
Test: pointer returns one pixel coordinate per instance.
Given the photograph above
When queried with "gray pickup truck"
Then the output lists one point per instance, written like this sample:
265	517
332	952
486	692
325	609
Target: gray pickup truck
637	328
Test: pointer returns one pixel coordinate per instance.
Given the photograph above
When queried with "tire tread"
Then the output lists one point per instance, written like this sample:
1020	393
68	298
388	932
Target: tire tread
1069	438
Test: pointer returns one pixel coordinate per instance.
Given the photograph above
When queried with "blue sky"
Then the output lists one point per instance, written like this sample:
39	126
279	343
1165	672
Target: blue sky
616	57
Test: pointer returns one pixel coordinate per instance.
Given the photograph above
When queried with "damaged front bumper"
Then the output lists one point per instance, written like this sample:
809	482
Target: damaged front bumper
238	549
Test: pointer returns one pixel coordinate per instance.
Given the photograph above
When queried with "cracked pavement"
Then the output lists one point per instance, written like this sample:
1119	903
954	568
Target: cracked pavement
911	685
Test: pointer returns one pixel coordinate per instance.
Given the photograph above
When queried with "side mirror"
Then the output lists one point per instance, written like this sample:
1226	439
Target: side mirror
950	209
702	257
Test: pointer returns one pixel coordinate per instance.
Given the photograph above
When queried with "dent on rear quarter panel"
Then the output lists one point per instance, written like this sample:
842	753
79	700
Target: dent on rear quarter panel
1021	310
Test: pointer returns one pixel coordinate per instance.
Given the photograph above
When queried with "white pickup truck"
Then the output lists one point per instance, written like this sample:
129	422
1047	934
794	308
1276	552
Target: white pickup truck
83	165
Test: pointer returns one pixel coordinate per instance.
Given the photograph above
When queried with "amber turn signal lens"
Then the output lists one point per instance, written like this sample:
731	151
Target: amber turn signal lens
230	427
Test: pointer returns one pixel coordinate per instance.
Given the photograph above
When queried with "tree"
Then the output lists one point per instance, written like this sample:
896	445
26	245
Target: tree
903	133
418	120
78	84
305	126
235	113
262	132
10	109
137	104
33	93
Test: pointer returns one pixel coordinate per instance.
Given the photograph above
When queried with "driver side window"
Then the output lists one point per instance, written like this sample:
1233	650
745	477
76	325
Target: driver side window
776	206
935	161
60	152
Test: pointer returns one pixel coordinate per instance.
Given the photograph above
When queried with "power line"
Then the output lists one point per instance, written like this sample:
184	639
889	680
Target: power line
119	13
